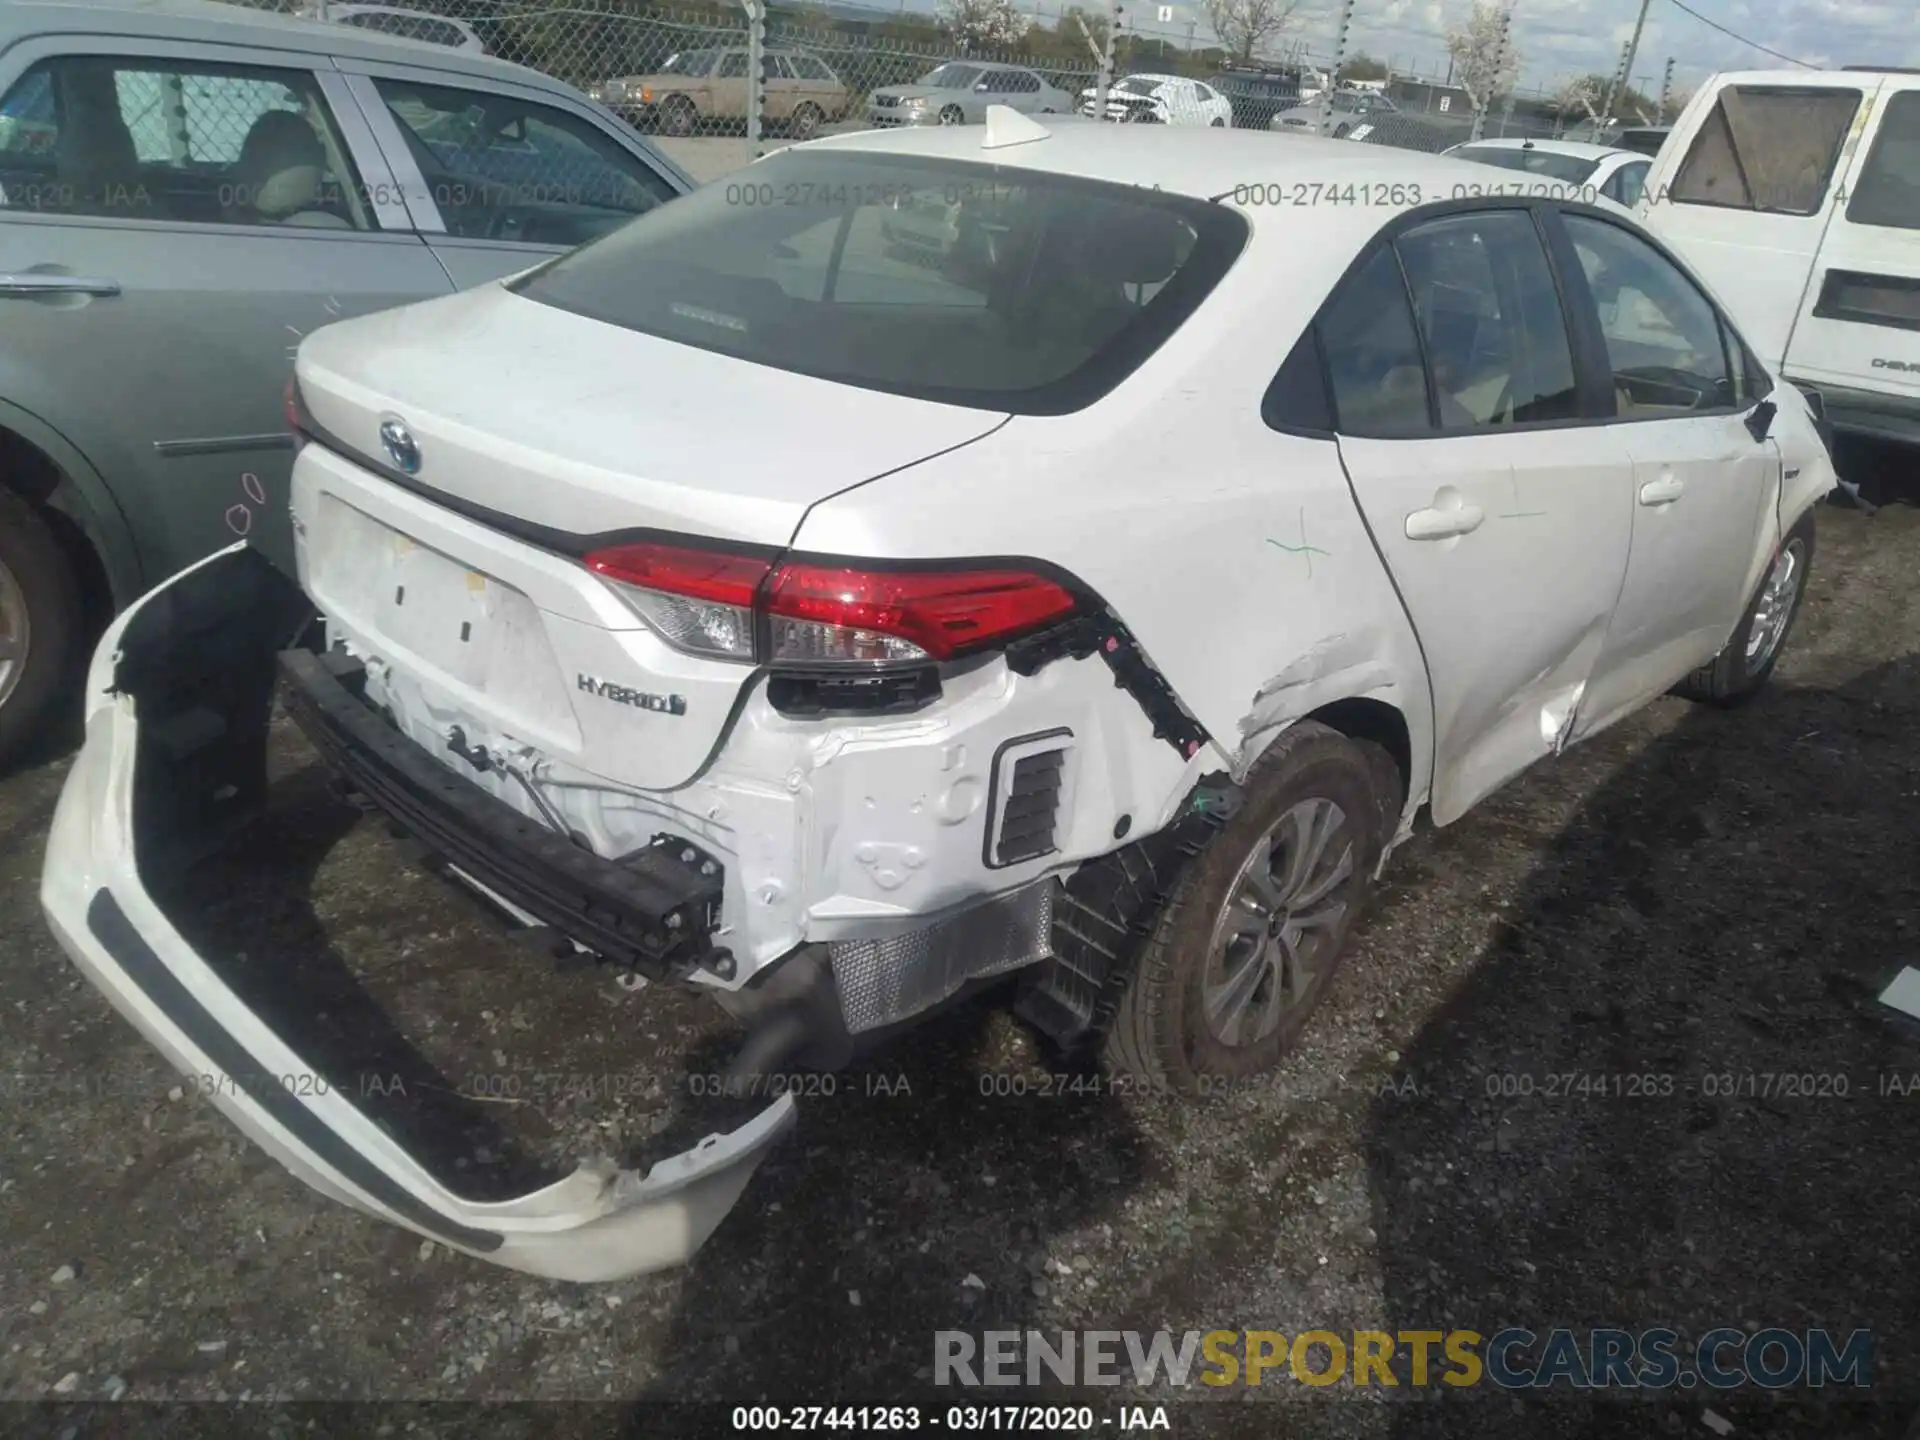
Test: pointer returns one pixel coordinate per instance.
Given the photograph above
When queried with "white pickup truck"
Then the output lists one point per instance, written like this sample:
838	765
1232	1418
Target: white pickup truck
1797	195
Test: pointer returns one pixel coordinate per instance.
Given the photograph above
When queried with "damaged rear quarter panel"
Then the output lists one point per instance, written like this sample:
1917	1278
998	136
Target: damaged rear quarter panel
1234	553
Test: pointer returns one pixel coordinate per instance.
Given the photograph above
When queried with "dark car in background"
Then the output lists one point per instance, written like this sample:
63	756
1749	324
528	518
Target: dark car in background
1647	139
1257	95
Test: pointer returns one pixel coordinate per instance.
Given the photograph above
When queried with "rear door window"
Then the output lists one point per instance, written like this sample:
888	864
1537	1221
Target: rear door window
1489	311
952	281
502	168
1769	149
184	141
1888	190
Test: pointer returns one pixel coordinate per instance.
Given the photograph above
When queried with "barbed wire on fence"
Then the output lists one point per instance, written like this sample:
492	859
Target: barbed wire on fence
681	70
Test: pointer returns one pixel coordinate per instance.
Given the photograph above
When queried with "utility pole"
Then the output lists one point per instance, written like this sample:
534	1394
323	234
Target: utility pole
1104	55
1339	59
756	73
1626	58
1666	93
1614	84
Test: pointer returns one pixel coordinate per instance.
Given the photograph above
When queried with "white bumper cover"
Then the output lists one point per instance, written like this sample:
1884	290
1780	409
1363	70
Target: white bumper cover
599	1223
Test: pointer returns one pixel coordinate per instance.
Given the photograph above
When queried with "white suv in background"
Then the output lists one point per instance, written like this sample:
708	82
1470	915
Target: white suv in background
1090	606
1797	194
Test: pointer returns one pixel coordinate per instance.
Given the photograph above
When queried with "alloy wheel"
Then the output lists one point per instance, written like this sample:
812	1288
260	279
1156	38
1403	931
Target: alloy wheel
16	633
1774	609
1275	935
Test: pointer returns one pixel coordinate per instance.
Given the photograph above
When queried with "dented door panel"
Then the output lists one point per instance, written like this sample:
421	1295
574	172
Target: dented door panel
1510	574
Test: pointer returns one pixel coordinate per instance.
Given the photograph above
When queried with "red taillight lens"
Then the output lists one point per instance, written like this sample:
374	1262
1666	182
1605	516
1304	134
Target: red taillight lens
700	601
708	602
295	410
829	614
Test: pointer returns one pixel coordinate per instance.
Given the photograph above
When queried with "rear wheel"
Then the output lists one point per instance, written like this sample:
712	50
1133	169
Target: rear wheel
41	623
806	120
1246	948
1743	667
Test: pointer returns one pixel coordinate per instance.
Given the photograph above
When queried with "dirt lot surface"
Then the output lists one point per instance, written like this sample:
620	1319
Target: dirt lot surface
1714	898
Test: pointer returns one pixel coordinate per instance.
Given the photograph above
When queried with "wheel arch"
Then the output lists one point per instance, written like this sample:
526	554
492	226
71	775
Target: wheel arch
40	465
1378	720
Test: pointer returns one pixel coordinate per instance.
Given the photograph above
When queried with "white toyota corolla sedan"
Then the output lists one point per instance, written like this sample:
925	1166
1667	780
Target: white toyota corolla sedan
1088	609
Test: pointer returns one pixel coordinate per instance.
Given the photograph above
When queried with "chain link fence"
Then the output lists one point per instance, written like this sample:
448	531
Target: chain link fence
686	73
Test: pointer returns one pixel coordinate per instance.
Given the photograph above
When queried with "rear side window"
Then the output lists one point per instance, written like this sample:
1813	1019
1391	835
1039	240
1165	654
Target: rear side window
953	281
1374	367
1767	149
1625	184
1888	191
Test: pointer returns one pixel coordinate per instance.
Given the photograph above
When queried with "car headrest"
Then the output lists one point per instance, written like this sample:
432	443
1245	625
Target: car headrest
281	164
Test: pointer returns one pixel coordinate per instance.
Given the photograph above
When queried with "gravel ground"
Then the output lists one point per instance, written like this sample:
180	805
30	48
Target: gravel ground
1693	895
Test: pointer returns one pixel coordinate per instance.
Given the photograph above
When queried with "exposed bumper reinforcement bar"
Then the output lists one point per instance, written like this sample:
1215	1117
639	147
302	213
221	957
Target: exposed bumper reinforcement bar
644	912
177	704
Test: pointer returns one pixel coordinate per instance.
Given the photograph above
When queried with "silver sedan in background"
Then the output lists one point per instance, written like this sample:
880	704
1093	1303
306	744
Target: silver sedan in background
1346	111
958	93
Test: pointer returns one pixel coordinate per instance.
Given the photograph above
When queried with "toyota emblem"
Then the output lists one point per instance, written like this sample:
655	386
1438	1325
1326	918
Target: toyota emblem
402	449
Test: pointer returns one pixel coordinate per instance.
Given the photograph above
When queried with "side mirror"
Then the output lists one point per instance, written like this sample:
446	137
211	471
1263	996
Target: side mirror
1760	419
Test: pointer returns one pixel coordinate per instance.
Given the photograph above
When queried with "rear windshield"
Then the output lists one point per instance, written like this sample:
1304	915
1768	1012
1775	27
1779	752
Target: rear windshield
971	284
1570	168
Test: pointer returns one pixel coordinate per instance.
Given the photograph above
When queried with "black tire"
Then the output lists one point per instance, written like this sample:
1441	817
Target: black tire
1340	130
678	117
805	122
1732	677
40	576
1217	124
953	115
1159	1034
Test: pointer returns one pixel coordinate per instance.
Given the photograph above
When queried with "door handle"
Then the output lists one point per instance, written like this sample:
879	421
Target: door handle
1442	523
32	284
1664	491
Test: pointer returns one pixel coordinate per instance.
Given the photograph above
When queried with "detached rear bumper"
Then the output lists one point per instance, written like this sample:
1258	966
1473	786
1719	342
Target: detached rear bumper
177	704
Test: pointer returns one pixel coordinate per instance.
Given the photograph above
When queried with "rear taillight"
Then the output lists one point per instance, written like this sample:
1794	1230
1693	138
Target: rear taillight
700	601
299	423
829	614
803	614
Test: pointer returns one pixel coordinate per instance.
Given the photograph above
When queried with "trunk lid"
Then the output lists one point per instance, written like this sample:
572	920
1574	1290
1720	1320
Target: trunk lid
579	426
537	430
